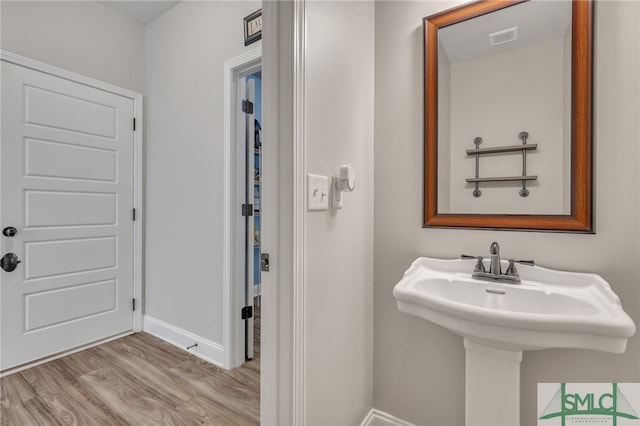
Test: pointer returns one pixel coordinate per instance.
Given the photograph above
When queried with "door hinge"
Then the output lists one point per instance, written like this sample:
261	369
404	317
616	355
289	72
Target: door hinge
247	210
134	215
264	262
133	304
247	106
134	124
247	312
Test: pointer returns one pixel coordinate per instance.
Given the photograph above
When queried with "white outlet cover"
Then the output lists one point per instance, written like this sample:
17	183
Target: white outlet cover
317	192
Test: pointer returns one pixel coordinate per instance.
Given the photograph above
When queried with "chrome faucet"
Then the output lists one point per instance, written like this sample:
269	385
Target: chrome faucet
510	276
495	268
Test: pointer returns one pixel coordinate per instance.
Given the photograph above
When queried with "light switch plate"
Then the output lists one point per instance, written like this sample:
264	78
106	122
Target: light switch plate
317	192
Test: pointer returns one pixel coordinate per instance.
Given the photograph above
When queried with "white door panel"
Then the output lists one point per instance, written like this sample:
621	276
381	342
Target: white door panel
57	306
48	258
66	184
72	138
48	208
67	112
37	285
72	161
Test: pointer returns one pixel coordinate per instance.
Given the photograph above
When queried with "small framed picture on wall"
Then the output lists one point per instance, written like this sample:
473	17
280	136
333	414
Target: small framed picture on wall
253	27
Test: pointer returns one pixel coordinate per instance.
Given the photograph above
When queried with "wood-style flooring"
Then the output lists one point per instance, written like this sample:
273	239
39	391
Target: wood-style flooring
136	380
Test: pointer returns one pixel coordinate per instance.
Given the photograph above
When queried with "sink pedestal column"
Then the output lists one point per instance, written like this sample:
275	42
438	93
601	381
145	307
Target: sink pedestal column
492	392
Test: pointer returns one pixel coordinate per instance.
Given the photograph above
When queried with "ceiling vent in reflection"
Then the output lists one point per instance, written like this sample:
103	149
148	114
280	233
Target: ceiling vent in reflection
504	36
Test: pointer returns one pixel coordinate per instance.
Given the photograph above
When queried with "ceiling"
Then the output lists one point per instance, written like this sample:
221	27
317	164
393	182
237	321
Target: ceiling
143	11
537	21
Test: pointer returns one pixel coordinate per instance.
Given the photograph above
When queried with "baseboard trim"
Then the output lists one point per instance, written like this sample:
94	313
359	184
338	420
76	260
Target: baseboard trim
206	349
380	418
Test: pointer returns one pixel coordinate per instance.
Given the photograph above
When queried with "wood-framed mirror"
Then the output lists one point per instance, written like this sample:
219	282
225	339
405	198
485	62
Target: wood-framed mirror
481	99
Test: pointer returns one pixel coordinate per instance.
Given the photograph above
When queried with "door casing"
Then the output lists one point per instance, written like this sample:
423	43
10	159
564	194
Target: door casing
233	261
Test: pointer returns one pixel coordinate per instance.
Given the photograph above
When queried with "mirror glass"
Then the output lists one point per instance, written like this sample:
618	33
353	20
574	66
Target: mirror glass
499	76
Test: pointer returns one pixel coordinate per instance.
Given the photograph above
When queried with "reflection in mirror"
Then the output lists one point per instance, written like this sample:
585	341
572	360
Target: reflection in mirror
494	70
500	74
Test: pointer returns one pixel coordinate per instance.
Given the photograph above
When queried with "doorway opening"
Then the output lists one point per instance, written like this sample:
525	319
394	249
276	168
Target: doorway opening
244	196
251	207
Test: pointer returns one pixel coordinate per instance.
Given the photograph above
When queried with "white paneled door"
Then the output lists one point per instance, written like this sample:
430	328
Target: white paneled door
66	160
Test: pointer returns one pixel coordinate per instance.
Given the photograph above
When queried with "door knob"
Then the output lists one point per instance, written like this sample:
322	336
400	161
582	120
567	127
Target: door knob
9	262
9	231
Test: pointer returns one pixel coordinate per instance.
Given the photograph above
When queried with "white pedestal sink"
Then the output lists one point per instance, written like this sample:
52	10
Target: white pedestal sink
548	309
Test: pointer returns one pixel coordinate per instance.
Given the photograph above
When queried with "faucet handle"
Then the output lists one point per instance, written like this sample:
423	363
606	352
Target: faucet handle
511	269
479	264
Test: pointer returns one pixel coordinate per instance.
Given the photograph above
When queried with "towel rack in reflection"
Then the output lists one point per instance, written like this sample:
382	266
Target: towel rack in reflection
524	192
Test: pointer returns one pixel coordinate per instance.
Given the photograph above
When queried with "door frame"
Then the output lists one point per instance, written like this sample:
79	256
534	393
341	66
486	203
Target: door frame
283	348
138	187
233	294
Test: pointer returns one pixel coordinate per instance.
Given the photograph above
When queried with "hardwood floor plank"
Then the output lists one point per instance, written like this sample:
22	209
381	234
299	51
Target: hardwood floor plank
137	405
143	368
72	403
150	349
15	416
223	388
30	413
15	394
83	362
214	413
15	390
41	382
171	352
248	375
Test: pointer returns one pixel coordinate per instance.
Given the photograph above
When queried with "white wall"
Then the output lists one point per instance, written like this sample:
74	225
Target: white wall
81	36
419	367
339	91
185	53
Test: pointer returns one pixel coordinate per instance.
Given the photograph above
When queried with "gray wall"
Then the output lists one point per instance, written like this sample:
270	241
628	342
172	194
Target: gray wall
186	48
339	84
81	36
419	367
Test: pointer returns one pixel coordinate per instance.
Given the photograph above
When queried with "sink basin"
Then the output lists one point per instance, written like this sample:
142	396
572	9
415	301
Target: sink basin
549	309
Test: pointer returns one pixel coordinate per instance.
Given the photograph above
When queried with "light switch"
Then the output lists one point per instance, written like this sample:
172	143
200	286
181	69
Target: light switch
317	192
